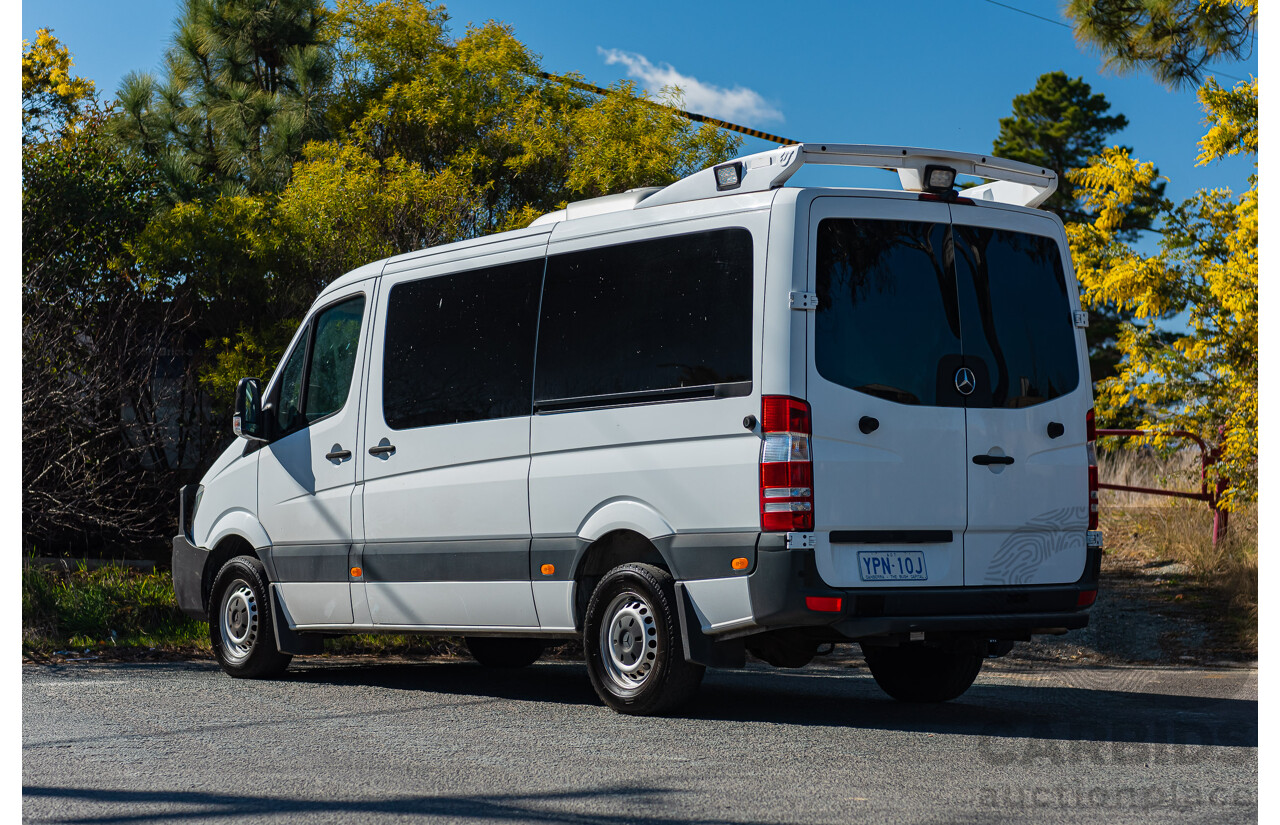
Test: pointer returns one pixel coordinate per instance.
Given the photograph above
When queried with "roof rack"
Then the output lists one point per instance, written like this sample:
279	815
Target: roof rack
1012	182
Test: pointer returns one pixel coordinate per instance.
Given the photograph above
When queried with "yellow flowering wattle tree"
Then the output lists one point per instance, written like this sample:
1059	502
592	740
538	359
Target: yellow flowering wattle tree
1204	378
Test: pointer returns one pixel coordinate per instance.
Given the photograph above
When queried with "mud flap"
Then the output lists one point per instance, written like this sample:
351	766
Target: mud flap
289	640
700	648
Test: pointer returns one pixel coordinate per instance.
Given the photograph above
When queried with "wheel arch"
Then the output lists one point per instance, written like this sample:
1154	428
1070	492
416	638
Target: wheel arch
227	548
618	546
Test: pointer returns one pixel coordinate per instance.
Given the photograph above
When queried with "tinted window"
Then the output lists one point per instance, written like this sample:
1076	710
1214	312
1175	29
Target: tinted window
1017	316
460	347
650	316
289	408
887	323
333	357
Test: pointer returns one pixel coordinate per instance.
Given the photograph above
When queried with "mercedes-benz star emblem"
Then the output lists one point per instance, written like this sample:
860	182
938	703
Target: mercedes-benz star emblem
965	381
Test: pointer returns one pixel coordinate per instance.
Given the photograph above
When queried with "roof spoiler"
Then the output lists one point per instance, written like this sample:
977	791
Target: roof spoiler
1012	182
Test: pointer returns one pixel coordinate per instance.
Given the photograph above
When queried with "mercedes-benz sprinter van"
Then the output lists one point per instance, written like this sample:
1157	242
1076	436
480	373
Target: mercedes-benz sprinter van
681	424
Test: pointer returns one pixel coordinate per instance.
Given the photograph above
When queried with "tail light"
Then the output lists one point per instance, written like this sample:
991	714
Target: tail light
1091	438
786	467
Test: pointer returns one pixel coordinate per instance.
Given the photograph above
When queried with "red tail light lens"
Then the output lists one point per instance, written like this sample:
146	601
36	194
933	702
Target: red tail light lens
1086	598
1091	436
786	468
824	604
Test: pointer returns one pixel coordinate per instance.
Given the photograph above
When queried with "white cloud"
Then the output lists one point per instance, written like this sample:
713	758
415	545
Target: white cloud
737	105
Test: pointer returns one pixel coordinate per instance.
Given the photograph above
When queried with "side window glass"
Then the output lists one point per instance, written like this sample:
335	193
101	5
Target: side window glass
289	409
459	347
664	318
333	358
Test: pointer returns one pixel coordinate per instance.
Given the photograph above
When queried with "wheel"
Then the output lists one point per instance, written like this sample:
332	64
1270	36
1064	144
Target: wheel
505	653
240	629
632	642
924	673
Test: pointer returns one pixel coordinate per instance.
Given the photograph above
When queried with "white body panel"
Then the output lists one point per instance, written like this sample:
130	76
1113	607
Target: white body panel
662	468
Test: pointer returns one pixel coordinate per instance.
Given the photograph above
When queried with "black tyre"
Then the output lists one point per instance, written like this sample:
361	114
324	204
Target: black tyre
240	628
633	647
920	673
504	653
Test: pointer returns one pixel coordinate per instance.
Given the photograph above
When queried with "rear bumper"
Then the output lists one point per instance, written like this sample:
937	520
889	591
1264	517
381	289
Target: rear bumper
784	578
188	570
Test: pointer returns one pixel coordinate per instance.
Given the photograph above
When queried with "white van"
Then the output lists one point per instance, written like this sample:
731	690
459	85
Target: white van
682	424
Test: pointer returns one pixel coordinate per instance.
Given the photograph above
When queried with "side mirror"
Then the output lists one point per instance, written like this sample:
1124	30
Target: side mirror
248	421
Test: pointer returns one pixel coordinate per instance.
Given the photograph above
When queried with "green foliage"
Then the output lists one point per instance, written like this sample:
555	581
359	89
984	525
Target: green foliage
1061	124
53	99
112	605
244	89
1204	380
1174	40
243	354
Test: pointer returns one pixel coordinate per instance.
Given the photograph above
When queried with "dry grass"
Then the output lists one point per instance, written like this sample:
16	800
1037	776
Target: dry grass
1158	528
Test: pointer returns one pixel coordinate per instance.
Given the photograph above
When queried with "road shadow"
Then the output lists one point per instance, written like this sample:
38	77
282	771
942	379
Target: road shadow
828	697
633	805
1109	707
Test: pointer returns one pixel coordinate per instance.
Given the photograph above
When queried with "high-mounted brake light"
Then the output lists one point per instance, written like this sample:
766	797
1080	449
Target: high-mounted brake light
1091	438
786	467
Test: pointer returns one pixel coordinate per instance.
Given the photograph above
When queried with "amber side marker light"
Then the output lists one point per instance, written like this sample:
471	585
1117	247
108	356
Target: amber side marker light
356	572
739	564
548	569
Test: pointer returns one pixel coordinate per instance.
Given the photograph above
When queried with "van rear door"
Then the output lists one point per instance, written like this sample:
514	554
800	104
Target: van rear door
889	443
1027	465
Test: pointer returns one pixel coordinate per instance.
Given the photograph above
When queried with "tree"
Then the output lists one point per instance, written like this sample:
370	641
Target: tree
1205	379
244	88
52	97
1061	124
101	421
1175	40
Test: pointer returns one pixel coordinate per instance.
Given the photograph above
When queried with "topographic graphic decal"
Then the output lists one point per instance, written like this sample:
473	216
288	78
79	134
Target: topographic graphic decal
1031	545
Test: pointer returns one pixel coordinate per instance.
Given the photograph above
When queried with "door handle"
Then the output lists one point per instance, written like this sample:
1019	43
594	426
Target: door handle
337	453
985	460
382	449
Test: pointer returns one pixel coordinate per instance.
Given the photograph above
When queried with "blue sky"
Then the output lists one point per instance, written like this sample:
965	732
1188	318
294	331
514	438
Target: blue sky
933	73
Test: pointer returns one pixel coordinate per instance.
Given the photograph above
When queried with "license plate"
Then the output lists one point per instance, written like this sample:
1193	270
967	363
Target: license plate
891	565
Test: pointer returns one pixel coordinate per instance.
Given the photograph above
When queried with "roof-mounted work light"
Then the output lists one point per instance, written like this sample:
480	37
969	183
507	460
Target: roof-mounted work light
728	176
939	179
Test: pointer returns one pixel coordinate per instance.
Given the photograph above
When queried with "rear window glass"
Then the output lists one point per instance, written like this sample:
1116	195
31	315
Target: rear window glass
646	320
1016	315
459	347
887	322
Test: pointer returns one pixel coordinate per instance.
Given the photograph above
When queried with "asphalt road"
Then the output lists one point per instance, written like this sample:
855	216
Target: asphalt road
452	742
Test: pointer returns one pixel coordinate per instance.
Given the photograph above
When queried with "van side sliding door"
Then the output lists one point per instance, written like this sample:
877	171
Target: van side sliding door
445	499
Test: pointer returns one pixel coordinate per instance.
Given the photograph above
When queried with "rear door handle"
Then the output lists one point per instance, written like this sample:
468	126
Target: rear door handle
985	460
382	449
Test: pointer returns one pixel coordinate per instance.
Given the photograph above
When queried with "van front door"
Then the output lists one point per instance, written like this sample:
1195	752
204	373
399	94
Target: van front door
885	350
1027	466
306	475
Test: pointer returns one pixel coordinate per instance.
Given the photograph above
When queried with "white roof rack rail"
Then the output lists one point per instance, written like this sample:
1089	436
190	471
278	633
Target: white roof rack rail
1013	182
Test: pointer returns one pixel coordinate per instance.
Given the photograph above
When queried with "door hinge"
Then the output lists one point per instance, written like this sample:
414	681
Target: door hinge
1081	318
804	300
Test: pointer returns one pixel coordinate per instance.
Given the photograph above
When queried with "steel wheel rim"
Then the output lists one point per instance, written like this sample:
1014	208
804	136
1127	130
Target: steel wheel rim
629	644
238	621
